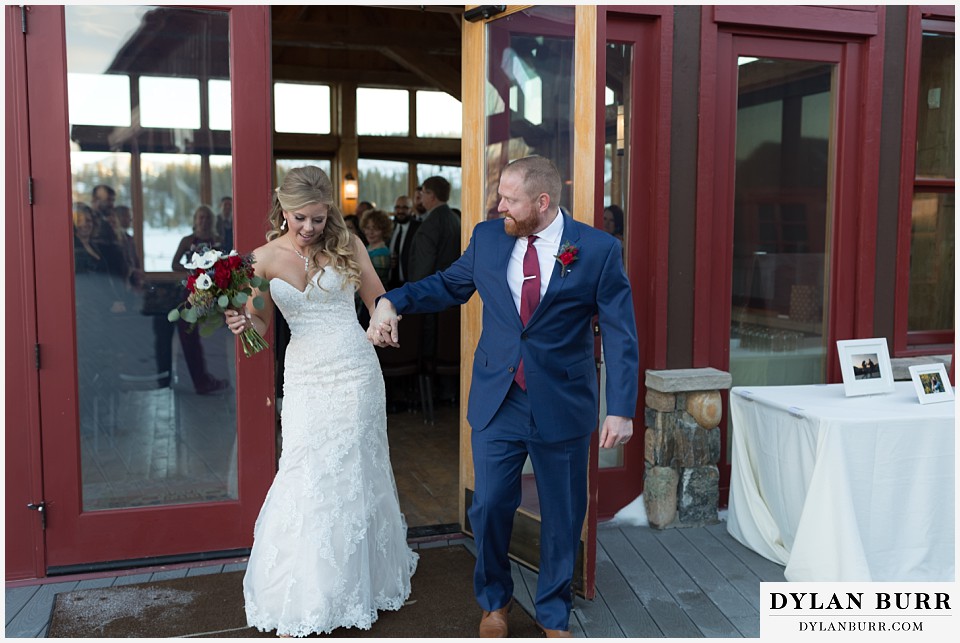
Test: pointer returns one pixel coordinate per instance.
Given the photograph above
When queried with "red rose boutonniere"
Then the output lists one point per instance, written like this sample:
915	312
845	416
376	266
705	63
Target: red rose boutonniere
566	256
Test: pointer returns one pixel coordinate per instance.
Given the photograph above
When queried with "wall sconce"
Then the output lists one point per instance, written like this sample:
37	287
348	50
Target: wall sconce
351	189
620	130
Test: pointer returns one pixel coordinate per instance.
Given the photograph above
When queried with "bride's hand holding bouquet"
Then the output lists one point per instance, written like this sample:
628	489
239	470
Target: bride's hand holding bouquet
218	283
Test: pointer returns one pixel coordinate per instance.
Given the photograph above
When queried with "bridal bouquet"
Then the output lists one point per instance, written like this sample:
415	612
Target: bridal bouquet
218	283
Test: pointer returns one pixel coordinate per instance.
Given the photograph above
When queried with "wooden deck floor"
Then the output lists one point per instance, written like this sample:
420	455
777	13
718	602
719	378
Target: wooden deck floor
678	583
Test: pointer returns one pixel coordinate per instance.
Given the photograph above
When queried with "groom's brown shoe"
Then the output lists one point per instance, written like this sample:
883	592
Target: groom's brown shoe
555	634
493	625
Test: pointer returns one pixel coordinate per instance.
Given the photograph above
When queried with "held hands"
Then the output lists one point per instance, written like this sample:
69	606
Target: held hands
238	322
616	431
384	329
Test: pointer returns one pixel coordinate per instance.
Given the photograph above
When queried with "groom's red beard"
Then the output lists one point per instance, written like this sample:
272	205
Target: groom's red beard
521	227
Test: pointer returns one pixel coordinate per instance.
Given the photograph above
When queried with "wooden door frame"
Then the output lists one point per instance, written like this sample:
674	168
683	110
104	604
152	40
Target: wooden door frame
472	199
197	524
858	33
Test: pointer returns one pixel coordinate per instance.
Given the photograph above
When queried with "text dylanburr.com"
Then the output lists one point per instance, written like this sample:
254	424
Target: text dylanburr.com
861	611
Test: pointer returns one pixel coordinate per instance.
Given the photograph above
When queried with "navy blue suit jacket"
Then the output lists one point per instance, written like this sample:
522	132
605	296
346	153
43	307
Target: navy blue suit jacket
557	345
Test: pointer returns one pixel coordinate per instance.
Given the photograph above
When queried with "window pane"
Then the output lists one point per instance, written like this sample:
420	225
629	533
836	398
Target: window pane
144	389
383	112
219	97
936	129
932	246
781	250
522	67
301	108
450	172
381	182
439	115
285	165
170	102
87	107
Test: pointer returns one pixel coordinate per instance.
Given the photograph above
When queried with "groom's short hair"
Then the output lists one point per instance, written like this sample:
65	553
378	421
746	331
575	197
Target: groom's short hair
539	175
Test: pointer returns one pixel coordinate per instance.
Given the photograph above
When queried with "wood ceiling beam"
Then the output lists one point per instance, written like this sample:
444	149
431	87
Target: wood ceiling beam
436	72
289	13
452	9
316	36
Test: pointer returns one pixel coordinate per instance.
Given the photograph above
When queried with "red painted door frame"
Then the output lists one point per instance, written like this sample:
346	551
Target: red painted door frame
24	484
650	31
853	39
73	536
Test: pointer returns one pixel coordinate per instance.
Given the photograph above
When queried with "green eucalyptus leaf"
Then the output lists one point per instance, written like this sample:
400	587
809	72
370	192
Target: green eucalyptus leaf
173	315
258	302
240	298
189	315
223	301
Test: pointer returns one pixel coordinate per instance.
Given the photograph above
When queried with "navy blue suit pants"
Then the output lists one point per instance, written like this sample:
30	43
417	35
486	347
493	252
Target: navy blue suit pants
560	469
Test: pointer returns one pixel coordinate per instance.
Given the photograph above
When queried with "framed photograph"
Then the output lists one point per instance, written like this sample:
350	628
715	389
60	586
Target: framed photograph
865	364
932	383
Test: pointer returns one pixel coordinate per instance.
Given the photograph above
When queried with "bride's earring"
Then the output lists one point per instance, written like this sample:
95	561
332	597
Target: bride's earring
283	224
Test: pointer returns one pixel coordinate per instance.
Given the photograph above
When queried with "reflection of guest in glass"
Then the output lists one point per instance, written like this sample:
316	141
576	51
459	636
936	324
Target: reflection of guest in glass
97	297
613	221
130	256
225	224
102	199
203	235
377	227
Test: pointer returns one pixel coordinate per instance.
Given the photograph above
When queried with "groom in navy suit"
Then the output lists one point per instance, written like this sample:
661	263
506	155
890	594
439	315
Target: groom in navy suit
542	277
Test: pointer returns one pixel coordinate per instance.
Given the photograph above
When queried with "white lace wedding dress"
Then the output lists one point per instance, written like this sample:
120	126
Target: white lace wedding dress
330	545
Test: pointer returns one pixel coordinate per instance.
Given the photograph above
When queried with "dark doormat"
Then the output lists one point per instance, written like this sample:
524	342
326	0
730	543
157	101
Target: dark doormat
441	605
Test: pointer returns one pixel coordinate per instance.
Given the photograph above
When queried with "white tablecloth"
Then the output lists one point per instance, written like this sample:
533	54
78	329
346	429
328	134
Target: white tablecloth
844	489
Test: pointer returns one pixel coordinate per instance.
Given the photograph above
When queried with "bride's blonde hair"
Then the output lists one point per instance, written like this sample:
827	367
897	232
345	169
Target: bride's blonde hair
303	186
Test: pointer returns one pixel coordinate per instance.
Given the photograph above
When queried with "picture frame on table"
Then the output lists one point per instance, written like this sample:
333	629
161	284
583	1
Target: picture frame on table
931	383
865	365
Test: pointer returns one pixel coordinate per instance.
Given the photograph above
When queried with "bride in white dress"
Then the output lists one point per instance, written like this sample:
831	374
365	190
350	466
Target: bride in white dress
330	545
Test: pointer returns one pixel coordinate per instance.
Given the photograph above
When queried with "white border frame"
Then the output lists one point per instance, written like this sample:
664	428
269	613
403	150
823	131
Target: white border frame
925	369
847	348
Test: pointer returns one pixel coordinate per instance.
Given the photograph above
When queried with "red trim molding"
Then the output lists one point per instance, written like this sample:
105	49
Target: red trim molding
861	21
650	31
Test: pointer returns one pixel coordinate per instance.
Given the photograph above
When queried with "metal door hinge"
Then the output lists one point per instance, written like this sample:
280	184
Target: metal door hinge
42	508
23	18
30	190
36	355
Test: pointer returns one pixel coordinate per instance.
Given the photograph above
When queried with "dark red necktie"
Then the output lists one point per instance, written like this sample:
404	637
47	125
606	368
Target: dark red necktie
529	296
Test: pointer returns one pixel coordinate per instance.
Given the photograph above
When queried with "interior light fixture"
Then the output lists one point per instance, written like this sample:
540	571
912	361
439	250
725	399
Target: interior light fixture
351	188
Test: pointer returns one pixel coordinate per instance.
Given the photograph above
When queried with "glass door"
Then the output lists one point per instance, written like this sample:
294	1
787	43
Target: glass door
782	221
528	108
142	452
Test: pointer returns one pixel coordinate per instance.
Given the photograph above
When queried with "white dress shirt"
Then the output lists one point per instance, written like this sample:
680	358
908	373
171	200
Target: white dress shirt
547	245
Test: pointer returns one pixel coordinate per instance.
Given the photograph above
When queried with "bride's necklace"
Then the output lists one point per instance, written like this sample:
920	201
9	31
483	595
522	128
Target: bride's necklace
306	261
